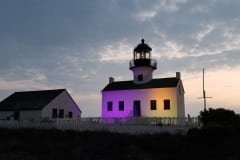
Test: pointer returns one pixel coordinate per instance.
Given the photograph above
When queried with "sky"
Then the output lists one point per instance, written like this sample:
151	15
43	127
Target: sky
78	45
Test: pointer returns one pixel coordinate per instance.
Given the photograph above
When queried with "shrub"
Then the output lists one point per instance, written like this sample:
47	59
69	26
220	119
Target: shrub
219	116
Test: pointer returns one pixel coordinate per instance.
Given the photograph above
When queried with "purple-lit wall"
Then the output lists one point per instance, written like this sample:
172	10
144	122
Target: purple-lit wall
144	95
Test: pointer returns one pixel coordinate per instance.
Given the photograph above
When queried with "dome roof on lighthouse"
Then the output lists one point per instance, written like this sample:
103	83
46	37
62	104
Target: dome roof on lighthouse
142	47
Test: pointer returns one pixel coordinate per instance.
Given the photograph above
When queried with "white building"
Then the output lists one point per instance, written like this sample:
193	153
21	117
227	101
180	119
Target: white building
144	96
39	105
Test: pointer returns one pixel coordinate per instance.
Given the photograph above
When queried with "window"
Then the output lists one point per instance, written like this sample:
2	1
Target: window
61	113
140	77
166	104
109	106
121	106
70	114
153	105
54	113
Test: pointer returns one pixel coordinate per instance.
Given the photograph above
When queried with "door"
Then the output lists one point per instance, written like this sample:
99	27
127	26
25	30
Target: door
136	109
16	115
61	113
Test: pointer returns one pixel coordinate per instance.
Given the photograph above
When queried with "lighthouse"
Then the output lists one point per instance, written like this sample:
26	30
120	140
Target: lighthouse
142	64
144	96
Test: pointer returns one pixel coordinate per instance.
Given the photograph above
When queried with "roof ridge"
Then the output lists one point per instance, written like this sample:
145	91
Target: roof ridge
41	90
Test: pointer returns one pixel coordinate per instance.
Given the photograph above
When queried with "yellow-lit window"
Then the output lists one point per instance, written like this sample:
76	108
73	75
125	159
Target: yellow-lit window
142	55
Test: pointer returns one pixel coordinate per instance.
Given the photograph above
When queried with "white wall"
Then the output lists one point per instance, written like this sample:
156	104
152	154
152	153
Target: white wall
62	101
144	95
180	99
24	115
145	71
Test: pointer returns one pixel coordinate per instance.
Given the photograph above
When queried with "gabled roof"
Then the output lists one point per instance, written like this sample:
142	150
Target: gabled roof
29	100
154	83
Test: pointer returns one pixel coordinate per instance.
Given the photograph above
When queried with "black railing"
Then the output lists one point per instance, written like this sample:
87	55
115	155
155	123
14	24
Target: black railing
143	62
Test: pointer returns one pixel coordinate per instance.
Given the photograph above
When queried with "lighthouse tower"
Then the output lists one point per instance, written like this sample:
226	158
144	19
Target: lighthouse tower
142	64
143	96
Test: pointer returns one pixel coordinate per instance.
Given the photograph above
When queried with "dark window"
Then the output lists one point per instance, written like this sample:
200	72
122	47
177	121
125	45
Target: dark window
166	104
70	114
140	77
153	105
61	113
179	88
121	106
109	106
54	113
16	115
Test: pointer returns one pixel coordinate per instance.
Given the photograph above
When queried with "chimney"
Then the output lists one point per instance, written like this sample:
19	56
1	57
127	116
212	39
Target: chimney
178	75
111	80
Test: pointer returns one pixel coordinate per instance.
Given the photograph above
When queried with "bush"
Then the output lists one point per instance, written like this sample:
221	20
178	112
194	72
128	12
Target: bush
219	116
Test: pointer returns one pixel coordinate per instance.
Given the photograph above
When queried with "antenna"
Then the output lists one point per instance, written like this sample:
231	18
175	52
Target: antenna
204	97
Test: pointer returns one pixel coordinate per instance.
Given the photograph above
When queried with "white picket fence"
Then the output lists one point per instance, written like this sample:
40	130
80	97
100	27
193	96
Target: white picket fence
119	125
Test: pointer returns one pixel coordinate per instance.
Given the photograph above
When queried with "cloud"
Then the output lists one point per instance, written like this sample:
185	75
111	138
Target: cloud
199	9
144	15
31	84
202	34
20	78
168	49
227	59
147	11
117	52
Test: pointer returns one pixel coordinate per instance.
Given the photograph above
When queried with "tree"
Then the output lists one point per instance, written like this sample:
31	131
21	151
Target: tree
219	116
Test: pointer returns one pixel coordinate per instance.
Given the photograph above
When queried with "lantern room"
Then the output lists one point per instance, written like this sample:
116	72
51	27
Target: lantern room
142	56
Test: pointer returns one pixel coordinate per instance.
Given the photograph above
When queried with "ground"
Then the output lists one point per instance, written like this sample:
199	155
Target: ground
34	144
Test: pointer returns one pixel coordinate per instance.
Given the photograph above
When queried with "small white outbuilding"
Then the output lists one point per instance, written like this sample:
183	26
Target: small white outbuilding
39	105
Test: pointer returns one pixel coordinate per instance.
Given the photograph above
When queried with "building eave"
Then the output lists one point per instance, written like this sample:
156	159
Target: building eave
130	85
